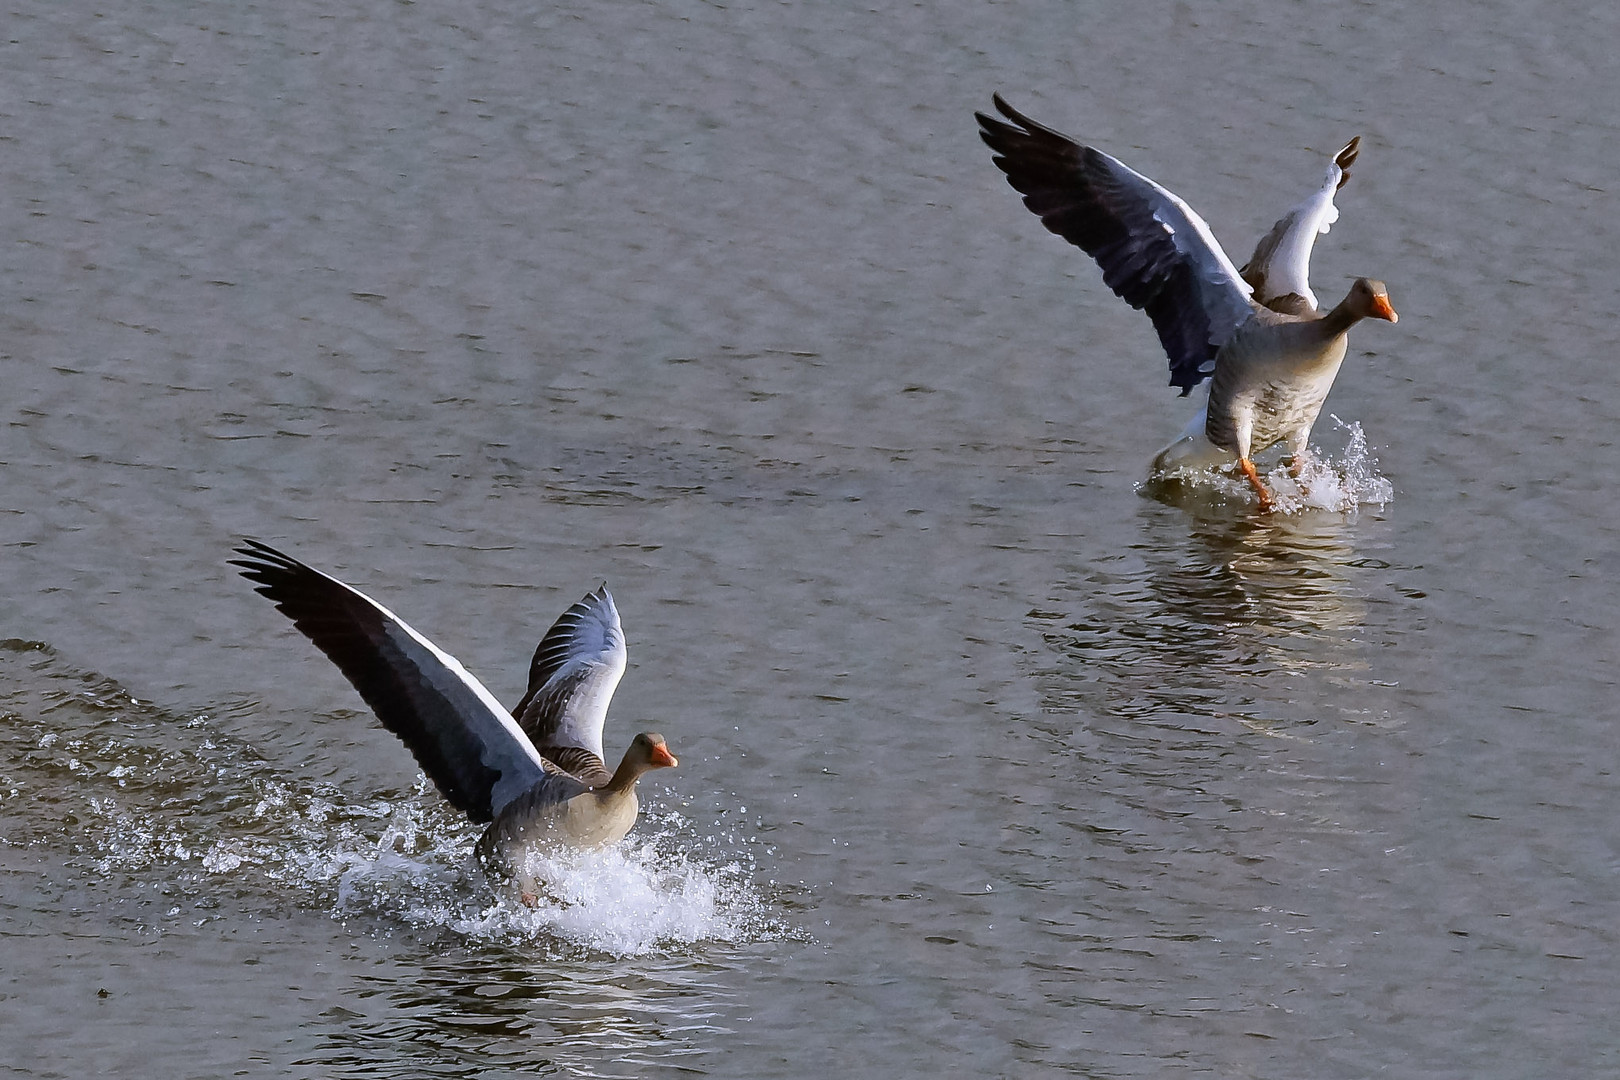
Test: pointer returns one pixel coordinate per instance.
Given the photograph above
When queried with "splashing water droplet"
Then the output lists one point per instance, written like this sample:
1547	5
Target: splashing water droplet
1340	484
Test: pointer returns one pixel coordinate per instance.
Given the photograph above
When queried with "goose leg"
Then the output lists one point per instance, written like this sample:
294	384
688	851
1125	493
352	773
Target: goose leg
528	888
1254	481
1296	469
1299	451
1245	432
1300	456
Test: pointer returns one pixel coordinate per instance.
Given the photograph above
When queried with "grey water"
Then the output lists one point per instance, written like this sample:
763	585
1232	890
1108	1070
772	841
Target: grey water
993	761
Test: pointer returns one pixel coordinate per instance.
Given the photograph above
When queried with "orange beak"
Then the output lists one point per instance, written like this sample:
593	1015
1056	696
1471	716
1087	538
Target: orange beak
1381	308
663	758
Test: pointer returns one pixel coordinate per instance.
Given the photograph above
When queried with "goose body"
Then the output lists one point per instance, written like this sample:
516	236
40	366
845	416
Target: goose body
1255	338
482	758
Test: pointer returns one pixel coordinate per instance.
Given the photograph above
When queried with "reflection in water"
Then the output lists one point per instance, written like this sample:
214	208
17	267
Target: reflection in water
1203	696
1199	687
502	1008
1216	613
1278	573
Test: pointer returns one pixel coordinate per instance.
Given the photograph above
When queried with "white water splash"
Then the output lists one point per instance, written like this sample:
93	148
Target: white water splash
643	895
1341	483
627	900
385	863
159	807
1337	484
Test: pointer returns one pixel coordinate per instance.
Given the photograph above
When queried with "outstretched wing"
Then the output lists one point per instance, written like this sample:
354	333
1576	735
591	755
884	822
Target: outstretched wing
469	746
1280	269
571	681
1155	252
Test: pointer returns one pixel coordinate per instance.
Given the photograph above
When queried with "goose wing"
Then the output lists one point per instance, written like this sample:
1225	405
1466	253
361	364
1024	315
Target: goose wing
469	746
1279	271
575	670
1155	252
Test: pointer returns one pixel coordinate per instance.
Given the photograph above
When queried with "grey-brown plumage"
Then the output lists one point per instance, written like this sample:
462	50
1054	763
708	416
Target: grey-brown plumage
1257	335
1272	377
565	811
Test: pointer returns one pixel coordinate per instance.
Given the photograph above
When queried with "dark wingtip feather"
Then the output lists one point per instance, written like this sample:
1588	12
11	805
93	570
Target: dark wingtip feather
259	558
1008	111
1346	158
1000	136
271	571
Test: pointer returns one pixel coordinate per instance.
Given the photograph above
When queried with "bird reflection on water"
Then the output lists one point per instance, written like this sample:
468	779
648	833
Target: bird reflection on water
1229	567
1209	680
1215	613
592	1016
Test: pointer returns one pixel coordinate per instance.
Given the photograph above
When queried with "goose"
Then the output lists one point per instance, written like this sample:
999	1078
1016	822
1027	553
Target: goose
1256	336
536	775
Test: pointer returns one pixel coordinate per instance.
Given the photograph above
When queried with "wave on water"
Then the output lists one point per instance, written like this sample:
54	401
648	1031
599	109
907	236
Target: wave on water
1338	483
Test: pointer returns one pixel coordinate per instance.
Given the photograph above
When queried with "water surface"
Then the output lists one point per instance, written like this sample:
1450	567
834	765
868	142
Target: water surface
991	761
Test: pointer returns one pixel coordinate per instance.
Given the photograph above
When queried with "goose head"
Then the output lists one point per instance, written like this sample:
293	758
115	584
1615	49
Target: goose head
647	751
650	751
1369	299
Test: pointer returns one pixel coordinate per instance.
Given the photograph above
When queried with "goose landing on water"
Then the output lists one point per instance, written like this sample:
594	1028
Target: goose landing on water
535	774
1257	336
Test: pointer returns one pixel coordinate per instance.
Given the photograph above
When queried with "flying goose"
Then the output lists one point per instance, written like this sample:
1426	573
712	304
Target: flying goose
537	776
1257	335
